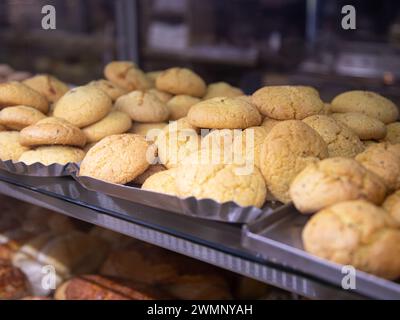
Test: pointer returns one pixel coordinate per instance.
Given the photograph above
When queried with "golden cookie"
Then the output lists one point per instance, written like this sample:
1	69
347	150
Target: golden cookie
115	122
224	113
151	170
117	159
326	110
289	147
126	75
367	102
181	81
393	132
222	89
341	141
16	93
163	96
355	233
143	107
152	75
48	86
48	155
10	148
288	102
163	182
180	105
392	205
83	106
384	160
19	117
110	88
366	127
334	180
222	183
149	130
52	131
268	124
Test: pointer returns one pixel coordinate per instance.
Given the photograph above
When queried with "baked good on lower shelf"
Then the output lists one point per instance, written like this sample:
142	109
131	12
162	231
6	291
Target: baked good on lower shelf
10	148
49	155
47	85
97	287
334	180
19	117
13	283
355	233
289	147
117	159
370	103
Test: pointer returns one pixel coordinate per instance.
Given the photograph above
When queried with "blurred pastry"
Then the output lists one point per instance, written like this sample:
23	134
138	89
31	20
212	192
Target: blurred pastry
19	117
48	86
222	89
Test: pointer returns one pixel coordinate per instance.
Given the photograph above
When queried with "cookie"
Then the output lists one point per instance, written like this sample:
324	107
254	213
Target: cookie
19	117
117	159
52	131
334	180
180	105
149	130
83	106
16	93
221	183
110	88
126	75
287	102
163	96
289	147
48	155
222	89
224	113
143	107
341	141
152	75
181	81
48	86
384	160
392	205
163	182
10	148
326	110
115	122
366	102
366	127
355	233
393	132
151	170
268	123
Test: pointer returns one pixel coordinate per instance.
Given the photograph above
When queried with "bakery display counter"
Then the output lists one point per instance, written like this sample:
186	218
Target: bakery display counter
216	243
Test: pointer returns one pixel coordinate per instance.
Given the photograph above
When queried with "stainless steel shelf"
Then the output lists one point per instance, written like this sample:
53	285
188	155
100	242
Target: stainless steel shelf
212	242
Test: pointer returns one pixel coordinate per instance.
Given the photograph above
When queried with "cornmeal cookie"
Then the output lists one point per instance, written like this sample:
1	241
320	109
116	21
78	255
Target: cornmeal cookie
52	131
19	117
224	113
326	110
151	170
222	89
83	106
366	127
163	182
152	75
143	107
334	180
48	155
115	122
384	160
355	233
392	205
393	132
289	147
48	86
110	88
288	102
149	130
10	148
117	159
268	123
341	141
16	93
180	105
367	102
181	81
222	183
126	75
163	96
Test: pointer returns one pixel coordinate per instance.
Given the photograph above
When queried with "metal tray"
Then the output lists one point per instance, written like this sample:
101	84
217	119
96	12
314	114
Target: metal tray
37	169
277	237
